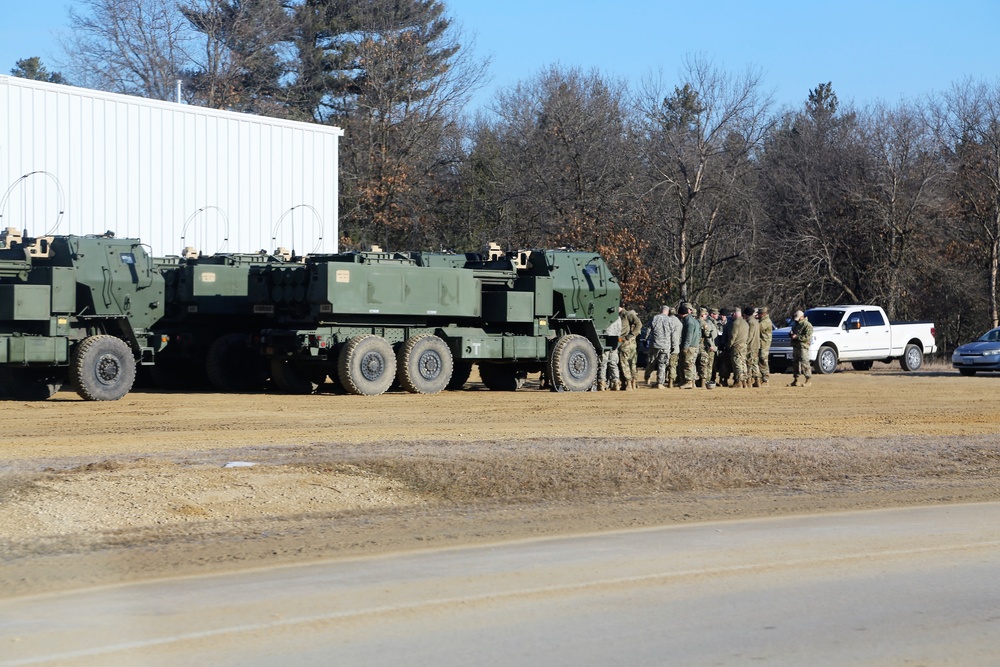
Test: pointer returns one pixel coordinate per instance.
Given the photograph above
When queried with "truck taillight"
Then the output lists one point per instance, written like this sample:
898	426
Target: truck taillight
933	332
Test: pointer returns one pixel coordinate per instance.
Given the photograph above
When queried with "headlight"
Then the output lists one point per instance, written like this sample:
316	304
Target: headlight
991	353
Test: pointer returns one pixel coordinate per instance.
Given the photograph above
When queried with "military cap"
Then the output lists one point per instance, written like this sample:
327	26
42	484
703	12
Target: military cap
703	311
713	311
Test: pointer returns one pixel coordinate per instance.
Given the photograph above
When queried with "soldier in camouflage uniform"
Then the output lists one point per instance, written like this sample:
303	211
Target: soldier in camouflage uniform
628	351
706	357
659	346
801	335
766	333
607	371
690	344
753	345
737	344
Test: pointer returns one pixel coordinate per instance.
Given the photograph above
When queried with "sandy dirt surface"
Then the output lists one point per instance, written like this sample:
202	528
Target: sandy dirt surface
162	484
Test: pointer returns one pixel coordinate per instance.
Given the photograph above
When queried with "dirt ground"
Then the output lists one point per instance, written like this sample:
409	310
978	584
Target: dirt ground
162	484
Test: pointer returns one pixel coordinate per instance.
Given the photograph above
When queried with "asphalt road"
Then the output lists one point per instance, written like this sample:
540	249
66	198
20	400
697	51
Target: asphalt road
900	587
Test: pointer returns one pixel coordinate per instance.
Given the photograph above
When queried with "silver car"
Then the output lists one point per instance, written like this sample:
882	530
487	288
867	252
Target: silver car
981	355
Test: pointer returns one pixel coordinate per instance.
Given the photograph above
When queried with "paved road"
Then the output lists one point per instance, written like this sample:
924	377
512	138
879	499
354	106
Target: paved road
901	587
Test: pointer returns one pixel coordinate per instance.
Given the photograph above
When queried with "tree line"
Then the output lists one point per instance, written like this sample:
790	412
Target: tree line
694	189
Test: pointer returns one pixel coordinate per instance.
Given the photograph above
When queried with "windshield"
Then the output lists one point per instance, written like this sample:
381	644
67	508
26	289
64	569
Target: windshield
825	318
991	336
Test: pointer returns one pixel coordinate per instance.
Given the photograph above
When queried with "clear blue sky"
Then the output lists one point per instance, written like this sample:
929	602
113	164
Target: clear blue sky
875	49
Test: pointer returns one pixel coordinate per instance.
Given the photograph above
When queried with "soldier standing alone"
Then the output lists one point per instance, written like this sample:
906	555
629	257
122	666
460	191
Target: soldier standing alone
801	336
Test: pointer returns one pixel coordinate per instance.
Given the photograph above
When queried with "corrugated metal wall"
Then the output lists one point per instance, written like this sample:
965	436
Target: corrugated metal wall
79	161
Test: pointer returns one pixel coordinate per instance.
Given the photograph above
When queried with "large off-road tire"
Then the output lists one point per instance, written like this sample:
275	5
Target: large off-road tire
297	378
912	359
367	365
501	377
102	368
233	366
862	365
826	361
459	375
26	383
572	364
424	365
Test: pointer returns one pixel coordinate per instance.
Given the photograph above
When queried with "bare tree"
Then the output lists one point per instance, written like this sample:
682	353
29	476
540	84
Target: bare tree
137	47
237	57
699	141
901	200
967	124
395	76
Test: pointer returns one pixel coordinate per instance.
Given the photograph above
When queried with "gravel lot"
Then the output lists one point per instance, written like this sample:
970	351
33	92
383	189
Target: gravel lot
166	484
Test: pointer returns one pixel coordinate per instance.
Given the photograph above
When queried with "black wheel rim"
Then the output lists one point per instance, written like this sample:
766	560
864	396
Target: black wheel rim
108	369
577	365
429	365
372	366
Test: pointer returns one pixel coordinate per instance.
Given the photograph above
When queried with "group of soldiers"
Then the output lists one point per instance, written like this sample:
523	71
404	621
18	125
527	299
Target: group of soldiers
702	347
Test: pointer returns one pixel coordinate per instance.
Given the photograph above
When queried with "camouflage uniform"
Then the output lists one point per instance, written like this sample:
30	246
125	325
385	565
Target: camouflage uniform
753	346
766	333
737	344
607	371
659	347
802	332
690	345
706	359
675	325
628	351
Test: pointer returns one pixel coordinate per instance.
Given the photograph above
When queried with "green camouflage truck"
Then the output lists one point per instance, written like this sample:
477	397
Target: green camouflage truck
77	309
421	320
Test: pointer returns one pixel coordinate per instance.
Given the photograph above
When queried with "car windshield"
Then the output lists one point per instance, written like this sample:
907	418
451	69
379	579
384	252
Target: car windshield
820	317
991	336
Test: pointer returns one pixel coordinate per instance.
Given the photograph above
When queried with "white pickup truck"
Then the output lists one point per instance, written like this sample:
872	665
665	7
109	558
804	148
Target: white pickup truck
861	335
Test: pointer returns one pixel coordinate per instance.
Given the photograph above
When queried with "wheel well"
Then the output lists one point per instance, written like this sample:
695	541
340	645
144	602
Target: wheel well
832	346
915	341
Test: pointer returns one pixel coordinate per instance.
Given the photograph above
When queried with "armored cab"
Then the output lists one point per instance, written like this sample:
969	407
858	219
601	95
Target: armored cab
76	307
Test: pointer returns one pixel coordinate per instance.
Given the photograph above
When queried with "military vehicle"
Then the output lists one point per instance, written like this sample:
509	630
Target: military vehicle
77	309
421	320
215	305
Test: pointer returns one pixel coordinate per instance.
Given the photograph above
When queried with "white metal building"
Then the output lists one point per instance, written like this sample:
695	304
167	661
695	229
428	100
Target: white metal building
80	161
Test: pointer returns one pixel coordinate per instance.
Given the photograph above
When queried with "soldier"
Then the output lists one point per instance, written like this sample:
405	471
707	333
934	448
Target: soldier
766	333
659	346
737	343
801	336
690	344
628	351
753	345
706	357
675	325
607	371
722	371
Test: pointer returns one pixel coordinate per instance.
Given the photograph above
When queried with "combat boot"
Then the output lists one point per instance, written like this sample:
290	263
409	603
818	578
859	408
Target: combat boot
632	383
670	383
806	383
600	386
661	386
689	385
794	383
614	386
756	383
